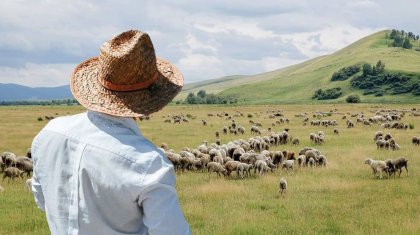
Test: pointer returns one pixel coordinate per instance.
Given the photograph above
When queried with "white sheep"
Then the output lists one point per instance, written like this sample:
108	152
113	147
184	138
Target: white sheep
288	164
282	186
377	166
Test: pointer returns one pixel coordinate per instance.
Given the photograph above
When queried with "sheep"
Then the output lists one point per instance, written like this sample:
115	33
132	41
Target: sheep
301	160
217	134
255	130
295	141
216	167
377	166
282	186
25	164
261	166
311	162
322	161
9	159
231	166
225	130
336	131
164	146
28	184
241	130
415	140
204	122
288	164
12	173
399	163
29	153
244	169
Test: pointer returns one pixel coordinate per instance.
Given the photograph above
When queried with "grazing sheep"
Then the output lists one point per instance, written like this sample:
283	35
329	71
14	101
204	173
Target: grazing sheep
231	166
288	164
399	163
311	162
29	153
295	141
416	140
262	167
301	160
377	166
216	167
241	130
25	164
164	146
12	173
204	122
9	159
282	186
225	130
28	184
217	134
322	161
244	169
336	131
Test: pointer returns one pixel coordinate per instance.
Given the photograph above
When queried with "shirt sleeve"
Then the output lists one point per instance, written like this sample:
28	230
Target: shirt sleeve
159	201
36	186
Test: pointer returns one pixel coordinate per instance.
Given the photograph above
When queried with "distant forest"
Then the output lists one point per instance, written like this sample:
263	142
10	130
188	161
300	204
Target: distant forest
68	102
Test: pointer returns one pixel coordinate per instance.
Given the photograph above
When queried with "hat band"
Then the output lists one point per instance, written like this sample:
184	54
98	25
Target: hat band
127	87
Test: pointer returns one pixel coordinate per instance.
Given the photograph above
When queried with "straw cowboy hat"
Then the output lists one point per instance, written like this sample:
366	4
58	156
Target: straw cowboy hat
126	79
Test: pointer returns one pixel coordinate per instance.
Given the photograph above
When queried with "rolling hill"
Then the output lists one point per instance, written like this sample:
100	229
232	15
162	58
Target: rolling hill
297	83
14	92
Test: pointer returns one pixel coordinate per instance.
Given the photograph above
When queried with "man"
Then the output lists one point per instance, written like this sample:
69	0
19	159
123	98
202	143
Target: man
94	173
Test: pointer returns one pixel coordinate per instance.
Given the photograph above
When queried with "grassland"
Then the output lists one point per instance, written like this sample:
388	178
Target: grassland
297	83
342	198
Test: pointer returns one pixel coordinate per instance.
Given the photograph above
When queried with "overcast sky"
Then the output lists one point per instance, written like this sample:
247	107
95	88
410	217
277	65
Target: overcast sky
42	41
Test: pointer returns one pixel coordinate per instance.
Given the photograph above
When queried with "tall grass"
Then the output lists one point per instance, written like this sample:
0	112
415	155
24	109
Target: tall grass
342	198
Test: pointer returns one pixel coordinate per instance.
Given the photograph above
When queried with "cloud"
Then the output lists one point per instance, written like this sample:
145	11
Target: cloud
42	75
205	39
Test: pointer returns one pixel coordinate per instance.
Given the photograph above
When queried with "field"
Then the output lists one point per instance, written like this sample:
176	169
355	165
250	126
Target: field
342	198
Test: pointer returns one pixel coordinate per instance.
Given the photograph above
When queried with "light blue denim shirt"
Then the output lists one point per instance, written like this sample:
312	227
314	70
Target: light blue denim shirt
96	174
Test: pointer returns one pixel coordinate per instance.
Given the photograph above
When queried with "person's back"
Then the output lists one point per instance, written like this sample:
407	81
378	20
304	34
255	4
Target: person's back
94	173
97	173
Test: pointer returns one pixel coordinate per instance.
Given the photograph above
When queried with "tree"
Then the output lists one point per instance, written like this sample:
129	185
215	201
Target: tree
201	94
393	34
367	69
380	67
191	99
407	44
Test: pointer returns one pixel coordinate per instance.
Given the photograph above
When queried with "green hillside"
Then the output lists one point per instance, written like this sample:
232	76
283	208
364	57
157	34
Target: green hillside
297	83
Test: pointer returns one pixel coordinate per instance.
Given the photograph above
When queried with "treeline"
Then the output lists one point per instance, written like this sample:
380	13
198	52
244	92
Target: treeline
328	94
402	38
375	80
68	102
345	73
203	98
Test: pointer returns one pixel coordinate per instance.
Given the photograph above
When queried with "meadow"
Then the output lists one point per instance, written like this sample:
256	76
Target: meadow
342	198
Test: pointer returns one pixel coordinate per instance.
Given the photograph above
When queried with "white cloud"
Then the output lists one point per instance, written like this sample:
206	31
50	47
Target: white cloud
206	39
38	75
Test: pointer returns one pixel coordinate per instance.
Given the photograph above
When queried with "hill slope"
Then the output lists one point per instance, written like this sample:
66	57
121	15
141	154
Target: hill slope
297	83
13	92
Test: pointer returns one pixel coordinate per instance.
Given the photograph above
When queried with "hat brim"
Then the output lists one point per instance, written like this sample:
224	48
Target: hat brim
92	95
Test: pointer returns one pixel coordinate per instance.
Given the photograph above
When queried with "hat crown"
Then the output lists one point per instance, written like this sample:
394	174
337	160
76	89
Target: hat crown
127	60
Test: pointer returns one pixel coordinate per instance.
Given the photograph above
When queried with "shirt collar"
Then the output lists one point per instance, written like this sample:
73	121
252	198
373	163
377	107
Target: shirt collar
126	121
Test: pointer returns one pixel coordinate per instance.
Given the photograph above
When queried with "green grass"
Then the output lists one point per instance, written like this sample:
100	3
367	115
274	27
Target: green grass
342	198
297	83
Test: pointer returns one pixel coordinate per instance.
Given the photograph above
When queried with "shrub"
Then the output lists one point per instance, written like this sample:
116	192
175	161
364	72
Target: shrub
40	119
249	115
332	93
411	126
353	99
345	73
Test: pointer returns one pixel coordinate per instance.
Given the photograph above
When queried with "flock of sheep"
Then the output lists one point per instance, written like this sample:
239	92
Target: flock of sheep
255	155
13	166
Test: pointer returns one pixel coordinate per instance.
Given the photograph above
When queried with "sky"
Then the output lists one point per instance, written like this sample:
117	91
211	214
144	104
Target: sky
42	41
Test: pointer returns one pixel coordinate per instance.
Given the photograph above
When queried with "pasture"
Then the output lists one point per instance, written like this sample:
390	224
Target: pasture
342	198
